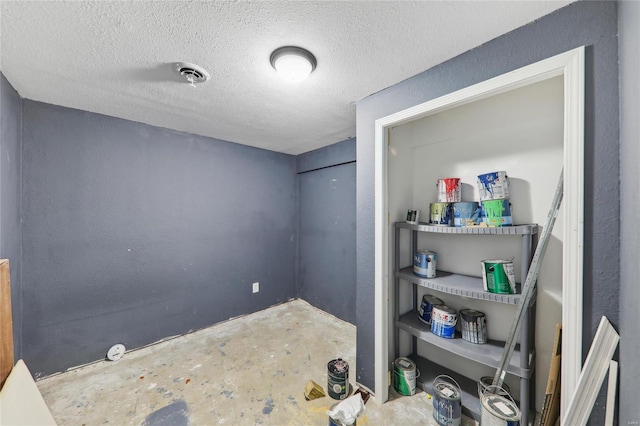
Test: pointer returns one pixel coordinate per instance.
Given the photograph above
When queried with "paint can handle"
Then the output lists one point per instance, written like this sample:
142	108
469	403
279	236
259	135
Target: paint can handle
448	377
504	392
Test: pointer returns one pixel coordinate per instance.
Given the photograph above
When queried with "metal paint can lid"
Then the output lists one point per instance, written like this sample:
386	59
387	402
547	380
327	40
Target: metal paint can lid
404	364
447	391
470	315
500	407
432	300
444	309
427	252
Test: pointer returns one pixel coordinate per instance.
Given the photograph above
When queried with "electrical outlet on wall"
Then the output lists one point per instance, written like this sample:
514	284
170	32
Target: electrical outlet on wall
256	287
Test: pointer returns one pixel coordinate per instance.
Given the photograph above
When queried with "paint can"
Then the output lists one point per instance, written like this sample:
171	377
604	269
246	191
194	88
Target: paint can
497	213
447	401
338	378
485	386
449	190
424	263
474	326
466	214
498	276
498	410
493	186
404	376
440	214
413	217
426	306
443	321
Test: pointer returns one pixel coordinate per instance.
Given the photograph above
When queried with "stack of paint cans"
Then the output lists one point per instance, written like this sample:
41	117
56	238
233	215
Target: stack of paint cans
494	198
498	276
441	213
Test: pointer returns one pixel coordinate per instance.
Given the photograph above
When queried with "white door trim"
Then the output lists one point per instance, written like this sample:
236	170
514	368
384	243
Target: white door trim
569	64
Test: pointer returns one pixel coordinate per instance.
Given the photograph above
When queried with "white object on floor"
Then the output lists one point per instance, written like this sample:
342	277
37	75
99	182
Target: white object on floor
593	371
347	411
611	392
21	403
116	352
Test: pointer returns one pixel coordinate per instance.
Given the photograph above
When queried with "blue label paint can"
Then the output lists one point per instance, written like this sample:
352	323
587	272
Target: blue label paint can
424	313
466	214
493	186
447	401
443	321
424	263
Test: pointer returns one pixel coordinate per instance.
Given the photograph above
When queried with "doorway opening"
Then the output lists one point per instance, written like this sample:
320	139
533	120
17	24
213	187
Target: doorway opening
569	67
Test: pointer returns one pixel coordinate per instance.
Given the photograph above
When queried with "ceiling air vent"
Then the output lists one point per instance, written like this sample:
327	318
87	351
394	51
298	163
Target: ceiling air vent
192	73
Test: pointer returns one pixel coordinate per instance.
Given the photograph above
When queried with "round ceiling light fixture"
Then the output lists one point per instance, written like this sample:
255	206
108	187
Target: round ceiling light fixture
293	63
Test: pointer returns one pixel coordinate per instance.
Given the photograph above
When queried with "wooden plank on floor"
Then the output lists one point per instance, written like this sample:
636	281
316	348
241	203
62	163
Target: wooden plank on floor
6	322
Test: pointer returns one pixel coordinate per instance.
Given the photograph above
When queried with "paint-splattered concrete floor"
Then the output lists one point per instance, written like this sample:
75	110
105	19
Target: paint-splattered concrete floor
247	371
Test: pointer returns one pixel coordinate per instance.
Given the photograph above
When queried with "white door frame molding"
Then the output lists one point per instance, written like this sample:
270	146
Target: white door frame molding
570	65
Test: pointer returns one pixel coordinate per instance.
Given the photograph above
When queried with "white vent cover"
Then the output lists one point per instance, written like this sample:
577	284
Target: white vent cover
192	73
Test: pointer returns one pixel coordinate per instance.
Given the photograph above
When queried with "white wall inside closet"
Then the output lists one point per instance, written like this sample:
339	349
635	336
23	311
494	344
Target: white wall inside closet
520	132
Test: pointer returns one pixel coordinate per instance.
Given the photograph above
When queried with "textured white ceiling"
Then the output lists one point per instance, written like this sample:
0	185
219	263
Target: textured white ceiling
115	58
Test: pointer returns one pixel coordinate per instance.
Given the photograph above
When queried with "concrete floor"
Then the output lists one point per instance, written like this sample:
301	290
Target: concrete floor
250	370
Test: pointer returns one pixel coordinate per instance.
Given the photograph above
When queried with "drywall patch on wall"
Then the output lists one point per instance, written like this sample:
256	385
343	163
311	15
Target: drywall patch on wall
11	199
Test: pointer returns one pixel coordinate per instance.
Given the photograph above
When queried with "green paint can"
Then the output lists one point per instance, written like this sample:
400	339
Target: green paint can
498	276
404	376
497	213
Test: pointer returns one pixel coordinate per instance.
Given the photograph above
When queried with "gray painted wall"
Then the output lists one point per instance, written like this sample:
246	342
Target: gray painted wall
133	233
326	266
629	46
10	198
593	24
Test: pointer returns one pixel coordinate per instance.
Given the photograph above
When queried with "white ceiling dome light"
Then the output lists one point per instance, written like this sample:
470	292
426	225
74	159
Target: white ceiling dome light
293	63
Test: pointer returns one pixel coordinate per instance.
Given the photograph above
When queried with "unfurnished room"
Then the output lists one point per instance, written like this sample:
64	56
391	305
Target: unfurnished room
319	212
